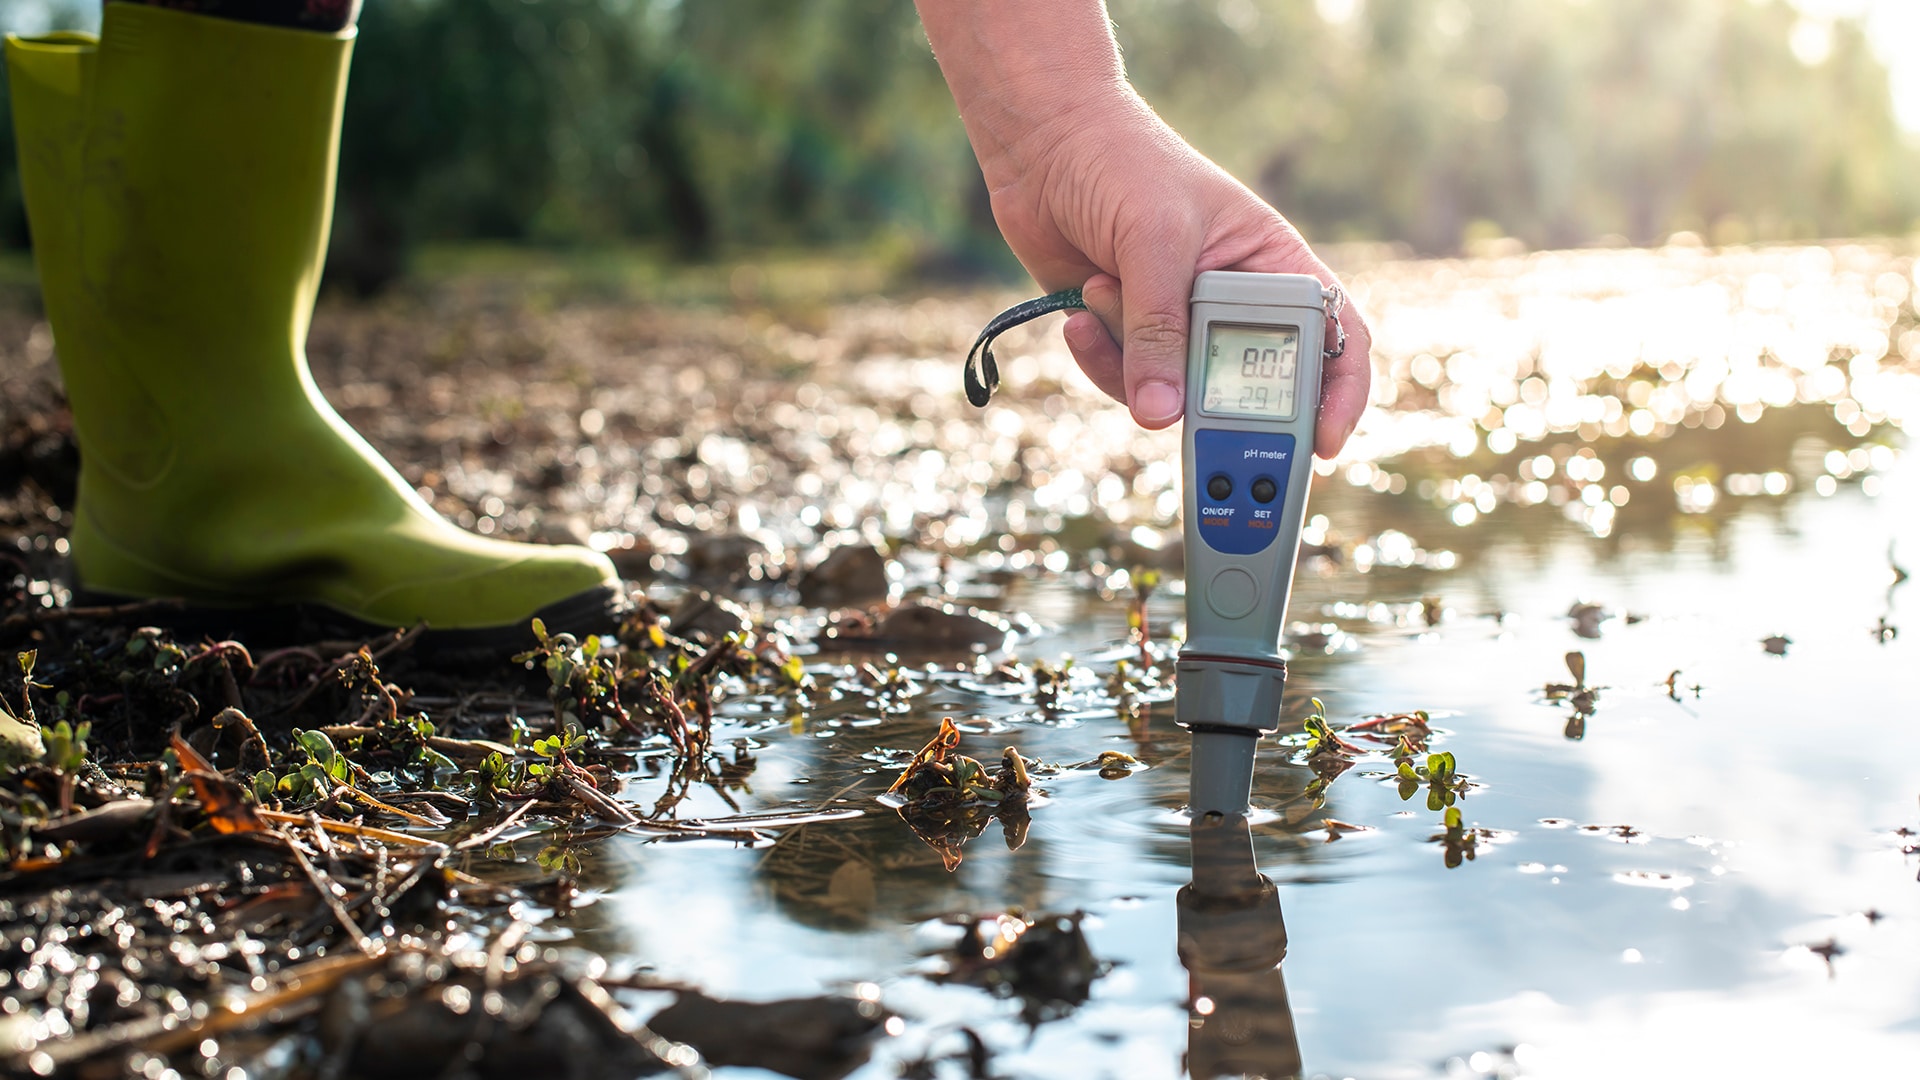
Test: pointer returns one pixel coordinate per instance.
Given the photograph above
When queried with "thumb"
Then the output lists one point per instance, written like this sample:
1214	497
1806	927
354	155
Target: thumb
1156	283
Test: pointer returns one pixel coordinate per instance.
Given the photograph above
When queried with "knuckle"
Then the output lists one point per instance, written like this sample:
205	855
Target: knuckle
1158	331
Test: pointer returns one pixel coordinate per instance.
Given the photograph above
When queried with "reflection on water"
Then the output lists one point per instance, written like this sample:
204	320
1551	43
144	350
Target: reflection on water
1232	940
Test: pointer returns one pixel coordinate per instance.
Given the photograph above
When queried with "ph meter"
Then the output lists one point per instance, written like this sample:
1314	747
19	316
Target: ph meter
1255	347
1253	394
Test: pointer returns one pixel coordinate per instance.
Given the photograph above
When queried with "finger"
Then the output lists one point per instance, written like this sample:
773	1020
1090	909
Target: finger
1096	352
1344	390
1157	277
1101	294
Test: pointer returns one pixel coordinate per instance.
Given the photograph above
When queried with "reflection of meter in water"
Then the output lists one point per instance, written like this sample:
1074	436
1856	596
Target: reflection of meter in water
1253	373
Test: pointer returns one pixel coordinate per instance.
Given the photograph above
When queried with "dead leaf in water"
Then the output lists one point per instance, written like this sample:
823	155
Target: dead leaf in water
821	1038
851	890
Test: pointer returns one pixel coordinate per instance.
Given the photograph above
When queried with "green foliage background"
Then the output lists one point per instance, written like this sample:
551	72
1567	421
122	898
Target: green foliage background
703	126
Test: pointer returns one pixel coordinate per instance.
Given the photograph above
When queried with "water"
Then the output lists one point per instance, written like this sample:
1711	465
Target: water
1708	874
1708	880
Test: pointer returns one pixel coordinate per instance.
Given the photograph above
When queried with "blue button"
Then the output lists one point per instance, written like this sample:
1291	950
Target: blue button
1233	520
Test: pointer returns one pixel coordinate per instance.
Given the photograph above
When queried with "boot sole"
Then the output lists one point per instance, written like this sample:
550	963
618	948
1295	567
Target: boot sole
596	611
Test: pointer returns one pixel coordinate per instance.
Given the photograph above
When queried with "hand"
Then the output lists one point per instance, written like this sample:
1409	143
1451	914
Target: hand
1119	204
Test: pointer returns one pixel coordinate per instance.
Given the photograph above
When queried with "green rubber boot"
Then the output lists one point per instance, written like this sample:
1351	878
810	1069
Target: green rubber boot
179	180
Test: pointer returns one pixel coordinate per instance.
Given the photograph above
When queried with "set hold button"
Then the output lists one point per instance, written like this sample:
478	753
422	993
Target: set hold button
1220	486
1264	490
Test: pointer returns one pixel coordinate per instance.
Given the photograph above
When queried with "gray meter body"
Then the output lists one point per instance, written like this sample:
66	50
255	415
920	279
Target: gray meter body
1253	395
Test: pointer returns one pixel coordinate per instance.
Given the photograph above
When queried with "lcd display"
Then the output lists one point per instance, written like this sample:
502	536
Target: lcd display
1251	370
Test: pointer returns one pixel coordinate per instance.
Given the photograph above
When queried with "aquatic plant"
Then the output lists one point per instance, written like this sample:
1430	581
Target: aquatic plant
1437	775
1584	699
948	798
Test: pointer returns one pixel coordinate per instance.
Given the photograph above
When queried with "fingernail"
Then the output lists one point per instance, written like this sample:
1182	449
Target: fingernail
1156	402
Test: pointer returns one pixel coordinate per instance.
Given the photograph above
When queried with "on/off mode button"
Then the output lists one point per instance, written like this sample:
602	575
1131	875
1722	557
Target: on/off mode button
1233	593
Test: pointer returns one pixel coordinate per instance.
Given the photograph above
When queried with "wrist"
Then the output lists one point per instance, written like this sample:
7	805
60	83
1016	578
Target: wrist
1026	75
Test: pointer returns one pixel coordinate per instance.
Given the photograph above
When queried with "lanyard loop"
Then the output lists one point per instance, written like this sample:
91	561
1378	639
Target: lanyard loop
981	376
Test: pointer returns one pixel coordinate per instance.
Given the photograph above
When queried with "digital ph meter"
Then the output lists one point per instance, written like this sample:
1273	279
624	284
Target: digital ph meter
1253	395
1255	346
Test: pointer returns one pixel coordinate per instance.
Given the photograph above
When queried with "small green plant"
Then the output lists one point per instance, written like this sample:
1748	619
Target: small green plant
554	748
324	769
151	642
1444	785
1320	737
25	660
1324	745
585	677
493	777
66	746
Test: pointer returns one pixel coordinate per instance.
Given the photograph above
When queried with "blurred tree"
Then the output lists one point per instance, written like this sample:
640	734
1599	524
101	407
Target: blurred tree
1557	121
717	124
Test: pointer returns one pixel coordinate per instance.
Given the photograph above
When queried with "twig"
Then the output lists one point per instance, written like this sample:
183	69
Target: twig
44	616
481	839
600	802
365	944
344	828
349	791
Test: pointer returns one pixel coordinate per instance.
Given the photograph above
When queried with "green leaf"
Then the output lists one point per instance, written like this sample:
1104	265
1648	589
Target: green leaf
540	629
316	744
1453	819
1433	799
438	761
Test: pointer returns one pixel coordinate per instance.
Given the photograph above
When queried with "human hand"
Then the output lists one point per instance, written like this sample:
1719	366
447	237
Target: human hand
1116	202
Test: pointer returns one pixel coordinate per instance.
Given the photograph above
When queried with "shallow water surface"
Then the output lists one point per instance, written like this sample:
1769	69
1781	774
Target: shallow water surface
1712	873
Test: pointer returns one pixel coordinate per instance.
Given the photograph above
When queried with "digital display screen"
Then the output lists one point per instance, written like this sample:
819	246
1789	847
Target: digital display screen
1251	370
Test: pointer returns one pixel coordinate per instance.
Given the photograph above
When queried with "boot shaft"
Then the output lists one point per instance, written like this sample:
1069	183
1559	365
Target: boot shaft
209	165
179	176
